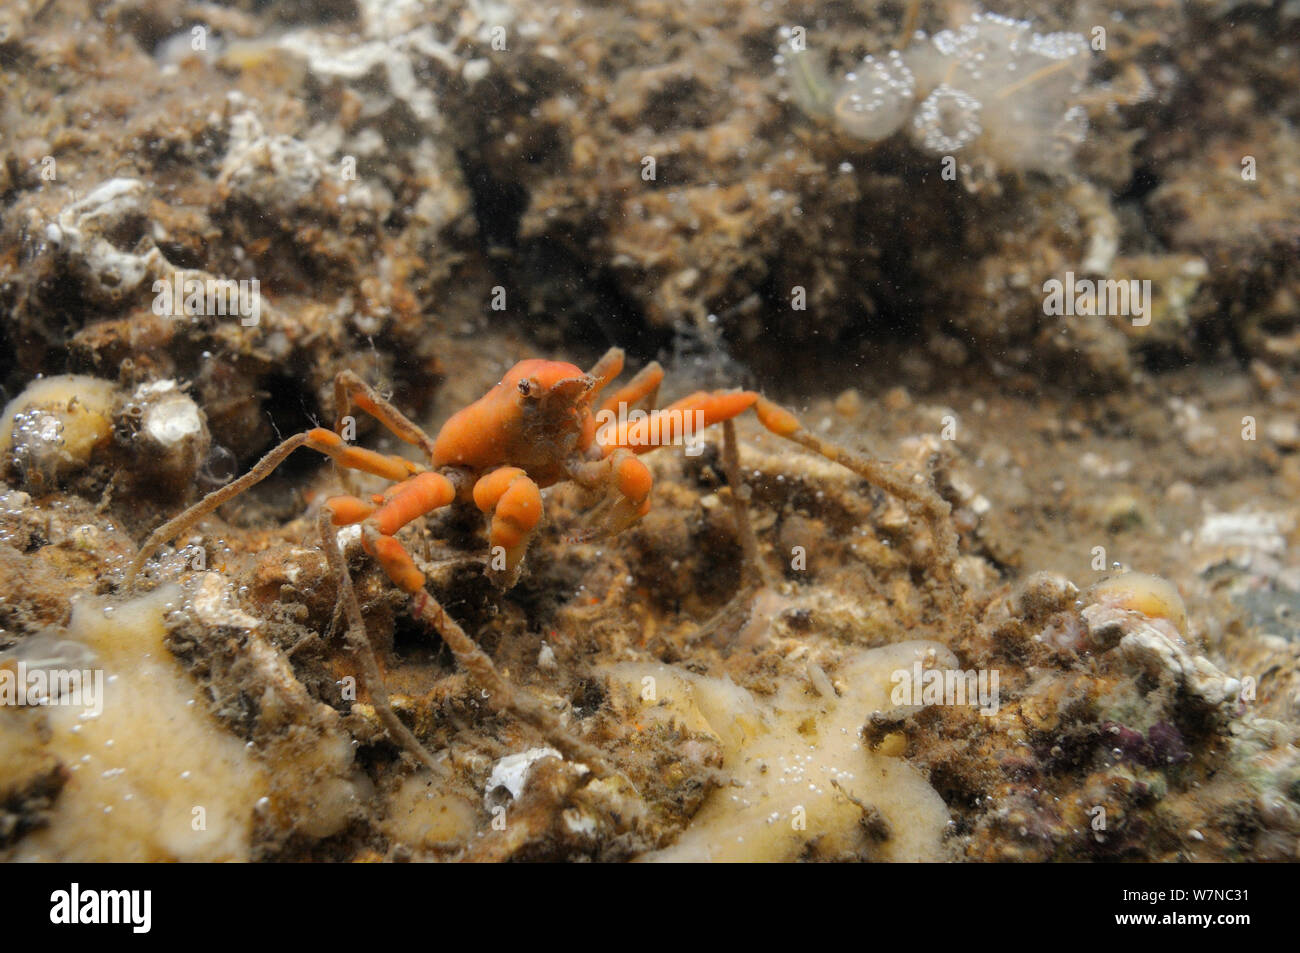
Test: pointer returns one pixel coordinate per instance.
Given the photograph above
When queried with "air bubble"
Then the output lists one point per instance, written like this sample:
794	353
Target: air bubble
219	468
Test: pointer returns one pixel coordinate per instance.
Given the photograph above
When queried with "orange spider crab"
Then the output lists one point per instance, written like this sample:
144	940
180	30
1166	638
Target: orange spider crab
535	428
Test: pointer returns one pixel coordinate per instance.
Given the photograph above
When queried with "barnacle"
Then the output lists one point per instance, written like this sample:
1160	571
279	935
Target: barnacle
169	430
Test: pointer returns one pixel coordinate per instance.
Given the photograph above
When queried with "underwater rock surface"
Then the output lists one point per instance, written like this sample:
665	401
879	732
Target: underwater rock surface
1050	274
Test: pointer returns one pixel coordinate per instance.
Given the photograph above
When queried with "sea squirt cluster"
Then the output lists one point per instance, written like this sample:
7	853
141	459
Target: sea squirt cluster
992	85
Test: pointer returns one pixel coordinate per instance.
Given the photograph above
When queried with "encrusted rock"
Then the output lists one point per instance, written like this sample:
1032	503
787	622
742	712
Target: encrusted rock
1157	650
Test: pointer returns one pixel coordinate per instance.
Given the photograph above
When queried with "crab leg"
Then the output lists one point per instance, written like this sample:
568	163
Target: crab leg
350	390
319	439
514	503
606	369
678	420
407	501
738	496
644	387
500	694
705	408
627	482
359	642
935	510
760	576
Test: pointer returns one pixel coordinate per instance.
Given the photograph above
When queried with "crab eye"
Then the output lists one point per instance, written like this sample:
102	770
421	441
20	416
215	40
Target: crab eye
529	388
